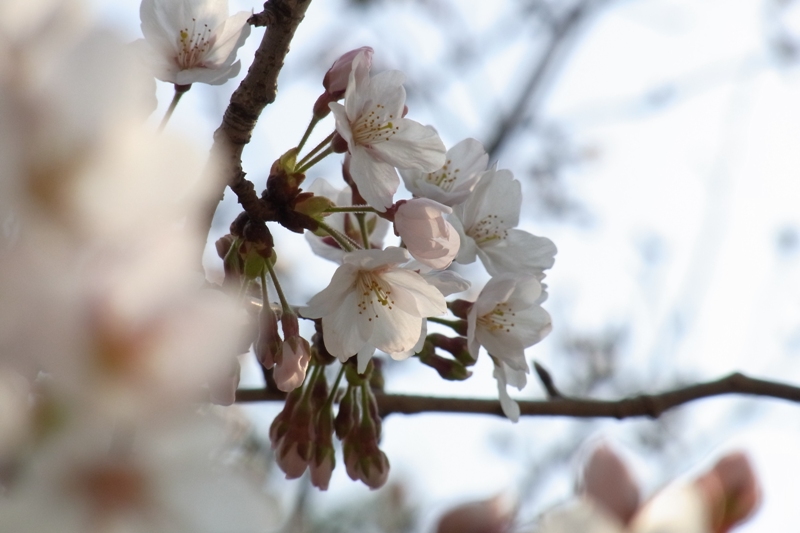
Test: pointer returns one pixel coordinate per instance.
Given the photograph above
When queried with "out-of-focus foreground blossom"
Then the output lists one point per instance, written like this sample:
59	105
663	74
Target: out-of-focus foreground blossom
192	41
713	503
108	339
609	502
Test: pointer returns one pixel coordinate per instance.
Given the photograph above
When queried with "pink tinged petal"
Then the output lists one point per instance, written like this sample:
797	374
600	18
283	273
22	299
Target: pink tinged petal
231	35
467	249
347	330
291	371
447	281
357	92
395	330
338	76
413	295
387	90
290	461
342	123
520	252
363	357
500	196
376	181
453	182
609	483
329	299
412	146
373	259
533	325
678	509
509	406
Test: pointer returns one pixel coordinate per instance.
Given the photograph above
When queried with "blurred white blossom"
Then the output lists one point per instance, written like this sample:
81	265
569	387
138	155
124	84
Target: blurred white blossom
192	41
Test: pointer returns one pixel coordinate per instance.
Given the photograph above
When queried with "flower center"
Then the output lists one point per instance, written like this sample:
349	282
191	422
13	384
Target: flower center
500	319
488	229
444	178
194	45
372	128
373	290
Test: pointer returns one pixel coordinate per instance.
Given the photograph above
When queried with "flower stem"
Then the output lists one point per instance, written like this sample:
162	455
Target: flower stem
351	209
334	388
320	157
456	325
362	226
264	296
341	239
314	150
179	91
307	133
287	309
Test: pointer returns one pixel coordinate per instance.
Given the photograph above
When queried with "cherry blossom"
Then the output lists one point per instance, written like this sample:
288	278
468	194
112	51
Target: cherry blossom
713	503
378	137
453	183
335	80
346	223
486	223
507	318
372	303
430	239
192	41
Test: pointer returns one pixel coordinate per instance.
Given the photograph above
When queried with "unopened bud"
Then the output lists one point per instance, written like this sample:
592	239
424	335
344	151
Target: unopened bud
290	372
460	308
456	346
731	490
280	425
608	482
337	77
237	226
338	144
447	368
495	515
223	245
289	324
346	417
269	344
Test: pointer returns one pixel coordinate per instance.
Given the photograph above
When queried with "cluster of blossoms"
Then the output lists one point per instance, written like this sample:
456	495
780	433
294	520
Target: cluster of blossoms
609	502
110	347
110	340
381	297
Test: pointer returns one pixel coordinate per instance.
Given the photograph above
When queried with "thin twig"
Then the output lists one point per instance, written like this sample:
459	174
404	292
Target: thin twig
561	36
258	89
649	405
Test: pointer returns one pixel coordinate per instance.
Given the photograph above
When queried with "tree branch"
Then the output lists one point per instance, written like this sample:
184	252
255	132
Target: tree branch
649	405
258	89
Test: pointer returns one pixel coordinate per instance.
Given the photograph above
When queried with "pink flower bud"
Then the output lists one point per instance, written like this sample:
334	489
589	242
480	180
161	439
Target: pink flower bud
488	516
290	460
321	468
268	345
430	239
291	370
607	481
335	80
731	491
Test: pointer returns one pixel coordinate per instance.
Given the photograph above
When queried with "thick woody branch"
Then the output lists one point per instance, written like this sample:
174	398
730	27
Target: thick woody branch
649	405
258	89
